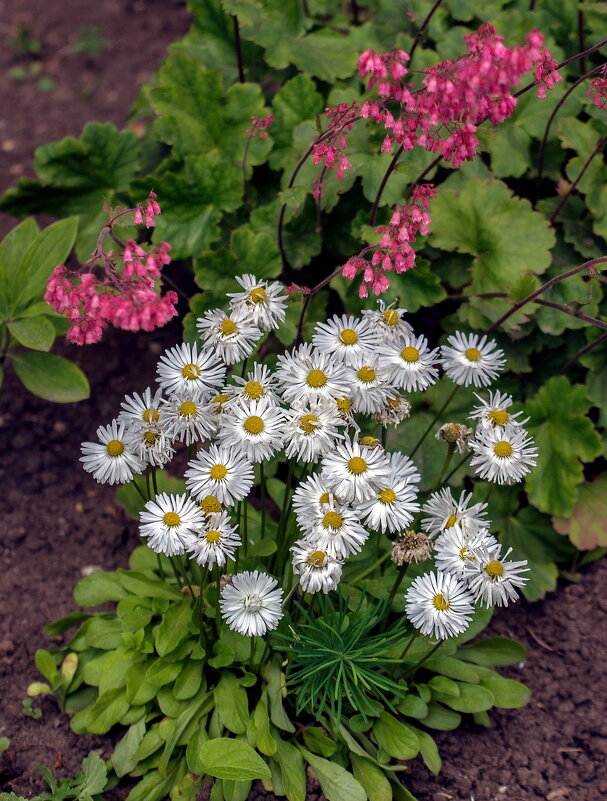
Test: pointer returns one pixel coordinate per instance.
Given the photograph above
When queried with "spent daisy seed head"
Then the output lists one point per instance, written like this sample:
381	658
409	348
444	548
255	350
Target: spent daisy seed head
111	460
183	369
220	472
472	360
411	546
503	455
457	435
439	605
170	523
251	604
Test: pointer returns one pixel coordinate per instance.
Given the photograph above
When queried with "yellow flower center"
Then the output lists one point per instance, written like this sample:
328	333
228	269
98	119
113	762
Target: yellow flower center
258	295
213	536
188	408
390	317
316	559
503	449
369	442
316	378
324	498
171	519
440	602
253	425
366	374
332	520
218	472
219	399
356	465
228	327
410	354
494	569
150	415
151	437
387	496
210	505
466	555
348	336
308	423
114	447
190	371
254	390
343	406
451	521
473	354
393	402
499	417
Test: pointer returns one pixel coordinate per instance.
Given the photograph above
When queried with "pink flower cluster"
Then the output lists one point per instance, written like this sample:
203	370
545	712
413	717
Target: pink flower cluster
394	251
330	148
259	127
128	300
145	213
598	90
455	96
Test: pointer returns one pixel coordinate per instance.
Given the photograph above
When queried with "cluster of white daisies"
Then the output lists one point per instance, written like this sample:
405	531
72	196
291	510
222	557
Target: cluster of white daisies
307	407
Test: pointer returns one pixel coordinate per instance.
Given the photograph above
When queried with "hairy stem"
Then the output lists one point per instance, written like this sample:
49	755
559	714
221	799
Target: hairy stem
384	181
434	420
422	29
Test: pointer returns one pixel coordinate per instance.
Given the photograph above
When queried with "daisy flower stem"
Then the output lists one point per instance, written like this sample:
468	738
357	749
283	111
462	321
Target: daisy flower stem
461	462
384	436
446	463
290	594
427	656
139	491
160	568
176	572
245	529
148	486
489	491
282	525
184	573
244	368
217	609
409	644
262	487
252	654
398	581
435	418
155	481
204	571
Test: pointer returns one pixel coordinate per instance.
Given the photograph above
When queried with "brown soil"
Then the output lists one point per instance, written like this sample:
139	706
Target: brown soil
57	523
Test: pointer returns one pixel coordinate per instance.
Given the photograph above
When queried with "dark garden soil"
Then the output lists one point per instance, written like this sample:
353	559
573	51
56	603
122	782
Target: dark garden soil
58	524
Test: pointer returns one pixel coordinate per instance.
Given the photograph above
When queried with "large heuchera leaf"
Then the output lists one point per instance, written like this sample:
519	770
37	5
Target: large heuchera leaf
565	438
506	237
587	525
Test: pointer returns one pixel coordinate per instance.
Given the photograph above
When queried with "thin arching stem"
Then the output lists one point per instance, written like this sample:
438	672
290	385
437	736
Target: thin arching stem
580	35
382	186
600	145
583	351
422	28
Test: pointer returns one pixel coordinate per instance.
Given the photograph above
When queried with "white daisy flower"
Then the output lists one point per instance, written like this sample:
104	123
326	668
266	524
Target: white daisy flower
348	338
216	406
354	472
454	549
403	468
368	384
261	302
337	532
259	383
439	605
410	364
187	418
183	370
232	337
471	359
492	579
255	428
171	523
141	410
310	501
343	404
392	509
445	513
503	455
250	604
306	374
389	322
311	430
151	443
216	543
494	412
220	472
317	570
111	460
394	409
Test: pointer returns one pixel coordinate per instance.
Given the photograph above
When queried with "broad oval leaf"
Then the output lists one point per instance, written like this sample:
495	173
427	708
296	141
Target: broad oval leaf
51	377
337	783
36	333
225	758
